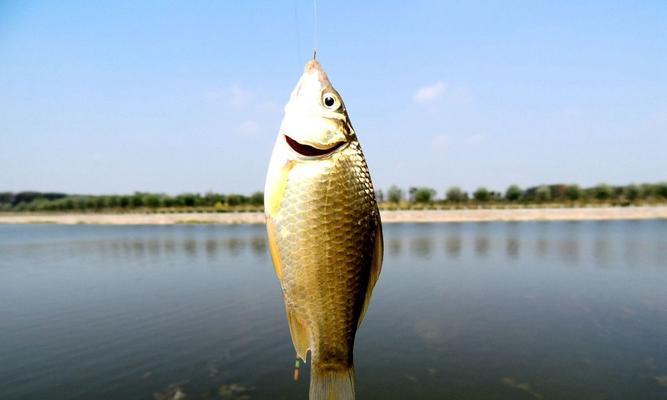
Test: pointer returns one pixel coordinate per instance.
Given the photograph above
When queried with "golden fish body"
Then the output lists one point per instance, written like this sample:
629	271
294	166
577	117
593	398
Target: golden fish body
324	231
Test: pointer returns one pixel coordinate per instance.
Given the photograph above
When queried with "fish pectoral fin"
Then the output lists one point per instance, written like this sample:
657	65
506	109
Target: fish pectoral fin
300	335
273	248
376	267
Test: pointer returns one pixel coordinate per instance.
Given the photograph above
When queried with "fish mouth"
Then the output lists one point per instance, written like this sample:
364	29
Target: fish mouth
310	151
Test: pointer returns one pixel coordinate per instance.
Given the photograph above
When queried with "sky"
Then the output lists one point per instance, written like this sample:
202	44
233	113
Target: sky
166	96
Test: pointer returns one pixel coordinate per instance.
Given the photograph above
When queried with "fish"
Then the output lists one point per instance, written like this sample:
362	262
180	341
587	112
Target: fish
324	231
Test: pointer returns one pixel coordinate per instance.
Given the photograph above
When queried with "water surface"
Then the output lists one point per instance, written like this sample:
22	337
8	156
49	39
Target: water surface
552	310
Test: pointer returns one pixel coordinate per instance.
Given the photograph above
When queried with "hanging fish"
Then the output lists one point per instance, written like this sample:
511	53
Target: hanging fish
325	234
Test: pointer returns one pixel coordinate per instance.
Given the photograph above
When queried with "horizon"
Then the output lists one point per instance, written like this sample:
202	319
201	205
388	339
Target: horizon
437	194
174	98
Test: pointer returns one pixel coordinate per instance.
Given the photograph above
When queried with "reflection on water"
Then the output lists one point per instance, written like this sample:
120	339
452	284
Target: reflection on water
139	248
512	247
455	243
453	246
474	311
422	246
542	246
568	250
393	246
482	245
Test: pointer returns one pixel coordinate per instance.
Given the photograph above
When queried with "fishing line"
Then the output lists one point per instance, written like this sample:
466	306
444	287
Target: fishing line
298	35
314	29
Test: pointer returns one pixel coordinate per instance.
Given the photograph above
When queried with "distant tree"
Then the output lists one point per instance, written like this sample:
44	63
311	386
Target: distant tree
113	201
257	199
200	201
137	200
411	194
210	198
26	197
543	193
424	195
78	203
186	199
379	196
631	192
647	190
558	192
152	200
661	190
456	195
513	193
234	200
482	194
124	201
603	192
573	192
6	197
169	201
101	202
69	204
395	194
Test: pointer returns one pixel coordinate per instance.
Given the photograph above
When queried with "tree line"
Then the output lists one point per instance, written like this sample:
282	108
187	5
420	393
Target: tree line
394	197
556	193
40	201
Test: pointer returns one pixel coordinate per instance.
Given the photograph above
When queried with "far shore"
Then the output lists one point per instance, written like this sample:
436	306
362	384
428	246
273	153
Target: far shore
388	217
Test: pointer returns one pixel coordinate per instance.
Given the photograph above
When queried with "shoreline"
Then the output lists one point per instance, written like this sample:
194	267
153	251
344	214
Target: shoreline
388	217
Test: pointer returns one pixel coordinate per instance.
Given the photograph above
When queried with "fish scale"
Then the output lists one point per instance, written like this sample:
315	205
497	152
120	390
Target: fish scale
326	273
324	231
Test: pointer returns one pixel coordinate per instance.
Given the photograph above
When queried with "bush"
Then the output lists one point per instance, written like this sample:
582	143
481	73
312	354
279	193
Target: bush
137	200
661	190
631	192
513	193
603	192
379	196
573	192
424	195
394	194
152	201
482	194
456	195
234	200
543	193
257	199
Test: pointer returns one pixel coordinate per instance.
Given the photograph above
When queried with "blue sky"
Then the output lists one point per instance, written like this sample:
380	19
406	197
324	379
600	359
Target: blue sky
171	97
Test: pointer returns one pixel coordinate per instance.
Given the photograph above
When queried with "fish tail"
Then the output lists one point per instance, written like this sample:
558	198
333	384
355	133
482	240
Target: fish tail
332	384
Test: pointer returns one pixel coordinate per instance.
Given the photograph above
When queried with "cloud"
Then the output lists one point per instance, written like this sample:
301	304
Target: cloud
429	93
249	127
240	97
235	96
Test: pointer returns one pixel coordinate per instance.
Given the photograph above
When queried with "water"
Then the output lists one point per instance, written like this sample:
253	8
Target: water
461	311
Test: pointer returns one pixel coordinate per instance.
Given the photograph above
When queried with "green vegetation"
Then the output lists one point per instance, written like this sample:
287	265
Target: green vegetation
559	195
153	202
456	195
395	194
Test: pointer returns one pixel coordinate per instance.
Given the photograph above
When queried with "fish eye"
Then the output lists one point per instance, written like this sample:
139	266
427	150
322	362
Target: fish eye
330	101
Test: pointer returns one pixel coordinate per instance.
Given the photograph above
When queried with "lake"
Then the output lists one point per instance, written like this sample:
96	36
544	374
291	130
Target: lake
557	310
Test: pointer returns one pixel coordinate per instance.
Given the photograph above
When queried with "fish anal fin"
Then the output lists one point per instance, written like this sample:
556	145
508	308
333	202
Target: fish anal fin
376	267
300	335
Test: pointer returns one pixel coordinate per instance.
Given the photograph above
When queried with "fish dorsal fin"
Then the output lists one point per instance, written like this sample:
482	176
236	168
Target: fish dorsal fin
376	267
300	335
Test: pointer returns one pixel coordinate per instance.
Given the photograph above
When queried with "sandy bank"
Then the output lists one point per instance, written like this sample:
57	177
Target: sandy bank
540	214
